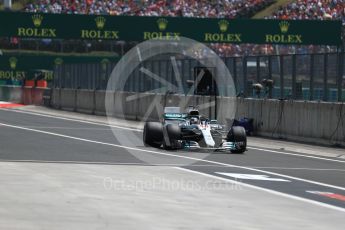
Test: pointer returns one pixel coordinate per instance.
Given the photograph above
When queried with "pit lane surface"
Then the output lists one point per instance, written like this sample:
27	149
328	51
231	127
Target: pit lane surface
27	137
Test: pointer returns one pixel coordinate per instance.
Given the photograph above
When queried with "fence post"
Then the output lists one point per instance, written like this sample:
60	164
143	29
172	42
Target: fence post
281	60
160	74
270	74
294	96
311	86
325	77
340	73
97	68
244	68
62	77
234	73
258	77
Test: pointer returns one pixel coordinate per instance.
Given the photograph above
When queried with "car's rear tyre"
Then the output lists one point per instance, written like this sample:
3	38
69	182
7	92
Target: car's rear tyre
171	134
153	134
238	134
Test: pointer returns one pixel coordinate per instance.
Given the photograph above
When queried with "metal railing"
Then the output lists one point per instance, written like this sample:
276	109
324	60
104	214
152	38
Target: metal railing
297	77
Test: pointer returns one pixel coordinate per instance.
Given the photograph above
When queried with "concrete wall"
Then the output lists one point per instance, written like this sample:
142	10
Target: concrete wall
99	102
317	122
85	101
55	98
67	99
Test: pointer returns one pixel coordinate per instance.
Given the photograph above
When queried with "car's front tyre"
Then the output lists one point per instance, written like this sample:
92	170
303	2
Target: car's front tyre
237	135
171	135
153	134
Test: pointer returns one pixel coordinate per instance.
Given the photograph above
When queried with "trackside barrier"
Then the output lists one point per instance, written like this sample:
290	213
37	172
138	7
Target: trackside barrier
85	101
318	122
11	93
26	95
32	95
99	102
67	99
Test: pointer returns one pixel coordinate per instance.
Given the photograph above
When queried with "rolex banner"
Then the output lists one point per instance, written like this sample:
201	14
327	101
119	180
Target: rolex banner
16	68
133	28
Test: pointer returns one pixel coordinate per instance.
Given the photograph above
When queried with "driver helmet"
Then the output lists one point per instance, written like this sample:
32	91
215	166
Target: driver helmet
194	121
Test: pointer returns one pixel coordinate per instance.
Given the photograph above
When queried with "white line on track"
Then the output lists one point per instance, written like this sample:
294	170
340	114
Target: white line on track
265	190
63	127
279	168
172	155
140	130
295	154
169	165
88	162
72	119
307	169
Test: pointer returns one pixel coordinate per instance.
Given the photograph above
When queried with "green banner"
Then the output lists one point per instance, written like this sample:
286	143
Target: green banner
14	68
134	28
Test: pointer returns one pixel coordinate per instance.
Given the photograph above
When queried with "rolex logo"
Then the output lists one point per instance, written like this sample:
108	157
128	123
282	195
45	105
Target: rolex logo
100	22
58	61
223	25
284	26
104	63
162	24
13	62
37	19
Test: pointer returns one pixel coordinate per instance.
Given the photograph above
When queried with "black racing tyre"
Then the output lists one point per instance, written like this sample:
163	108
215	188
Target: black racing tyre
238	134
153	134
171	133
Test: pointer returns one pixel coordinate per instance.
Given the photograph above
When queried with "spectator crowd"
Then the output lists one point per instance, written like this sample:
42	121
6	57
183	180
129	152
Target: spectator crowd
184	8
312	9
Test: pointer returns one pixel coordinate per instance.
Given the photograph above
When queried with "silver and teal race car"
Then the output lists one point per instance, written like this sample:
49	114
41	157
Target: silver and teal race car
192	131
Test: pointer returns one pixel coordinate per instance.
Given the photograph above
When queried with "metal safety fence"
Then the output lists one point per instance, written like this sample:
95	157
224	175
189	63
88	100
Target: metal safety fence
296	77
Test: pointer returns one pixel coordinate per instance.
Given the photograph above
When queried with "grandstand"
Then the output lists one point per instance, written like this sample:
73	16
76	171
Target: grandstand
299	9
275	56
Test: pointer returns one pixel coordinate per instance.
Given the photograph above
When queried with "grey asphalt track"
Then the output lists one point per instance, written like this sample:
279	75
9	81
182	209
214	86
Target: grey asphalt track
31	138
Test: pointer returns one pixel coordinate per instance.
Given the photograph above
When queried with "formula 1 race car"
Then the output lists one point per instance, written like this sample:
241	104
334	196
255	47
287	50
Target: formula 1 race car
192	131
